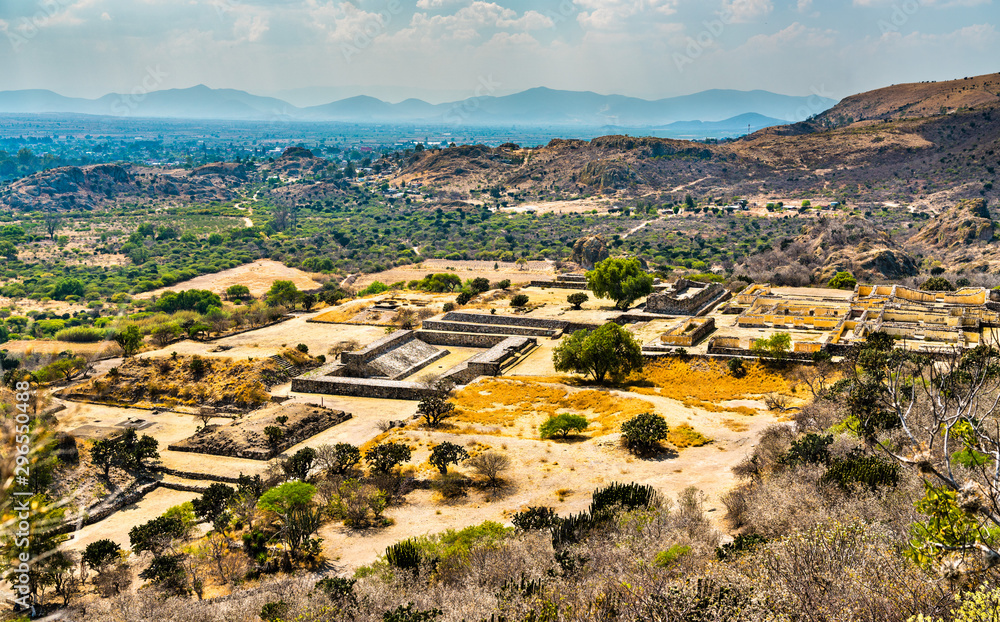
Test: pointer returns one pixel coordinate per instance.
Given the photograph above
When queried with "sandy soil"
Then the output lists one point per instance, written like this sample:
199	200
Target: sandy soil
257	276
116	526
55	347
535	271
562	207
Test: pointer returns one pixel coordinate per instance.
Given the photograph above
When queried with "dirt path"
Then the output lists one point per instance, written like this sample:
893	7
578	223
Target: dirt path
683	186
637	228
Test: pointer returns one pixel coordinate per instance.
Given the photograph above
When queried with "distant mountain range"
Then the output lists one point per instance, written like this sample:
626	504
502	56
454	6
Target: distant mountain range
538	106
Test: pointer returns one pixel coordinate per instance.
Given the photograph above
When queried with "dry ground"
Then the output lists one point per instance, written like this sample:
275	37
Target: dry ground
535	271
576	206
257	276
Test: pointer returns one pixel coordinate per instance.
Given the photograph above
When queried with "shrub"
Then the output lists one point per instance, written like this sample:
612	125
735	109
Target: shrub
377	287
535	518
303	348
451	485
742	544
843	280
446	453
630	496
810	449
480	285
643	433
384	457
736	368
577	299
403	555
448	307
199	300
504	284
937	284
80	334
665	559
859	468
562	425
490	465
520	300
463	298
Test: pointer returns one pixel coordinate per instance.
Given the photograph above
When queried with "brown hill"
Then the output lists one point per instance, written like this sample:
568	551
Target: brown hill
967	223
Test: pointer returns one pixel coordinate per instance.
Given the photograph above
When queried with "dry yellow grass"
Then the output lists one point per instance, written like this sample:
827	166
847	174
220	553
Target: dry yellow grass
508	403
685	436
735	426
704	384
343	313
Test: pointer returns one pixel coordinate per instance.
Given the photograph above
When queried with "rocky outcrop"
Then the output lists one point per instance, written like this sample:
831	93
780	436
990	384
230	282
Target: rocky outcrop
966	223
589	251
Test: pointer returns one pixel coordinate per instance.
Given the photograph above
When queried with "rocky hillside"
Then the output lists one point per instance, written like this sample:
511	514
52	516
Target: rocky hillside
87	187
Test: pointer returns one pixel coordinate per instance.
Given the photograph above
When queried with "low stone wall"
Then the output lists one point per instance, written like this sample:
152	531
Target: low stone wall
104	511
689	332
196	476
503	320
462	327
361	387
377	348
491	362
558	284
464	340
669	304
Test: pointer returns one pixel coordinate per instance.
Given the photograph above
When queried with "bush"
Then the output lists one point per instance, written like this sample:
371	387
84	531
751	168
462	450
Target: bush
562	425
736	368
665	559
448	307
480	285
577	299
858	468
463	298
843	280
490	465
520	300
630	496
535	518
742	544
504	284
451	485
199	300
810	449
377	287
303	348
937	284
80	334
643	433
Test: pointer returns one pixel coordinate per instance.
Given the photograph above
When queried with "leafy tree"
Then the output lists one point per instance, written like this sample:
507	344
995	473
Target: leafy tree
64	288
643	433
214	502
480	285
562	425
609	351
937	284
308	301
101	554
577	299
339	459
52	223
384	457
126	451
237	292
435	407
275	436
167	573
156	535
776	346
285	497
129	340
283	293
446	453
843	280
198	300
621	280
299	465
8	250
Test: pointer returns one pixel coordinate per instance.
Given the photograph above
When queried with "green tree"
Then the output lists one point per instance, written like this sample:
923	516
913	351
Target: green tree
199	300
937	284
643	433
621	280
214	502
299	465
8	250
101	554
384	457
776	346
283	293
843	280
339	459
446	453
562	425
577	299
156	535
237	292
275	436
609	351
129	340
434	407
64	288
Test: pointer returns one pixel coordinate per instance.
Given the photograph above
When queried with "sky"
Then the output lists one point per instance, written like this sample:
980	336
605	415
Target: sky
310	51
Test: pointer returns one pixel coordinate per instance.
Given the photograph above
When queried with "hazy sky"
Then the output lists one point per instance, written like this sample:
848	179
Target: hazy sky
646	48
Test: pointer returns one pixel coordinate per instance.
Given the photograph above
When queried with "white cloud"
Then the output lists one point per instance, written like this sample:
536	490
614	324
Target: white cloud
435	4
804	6
743	11
618	14
794	36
